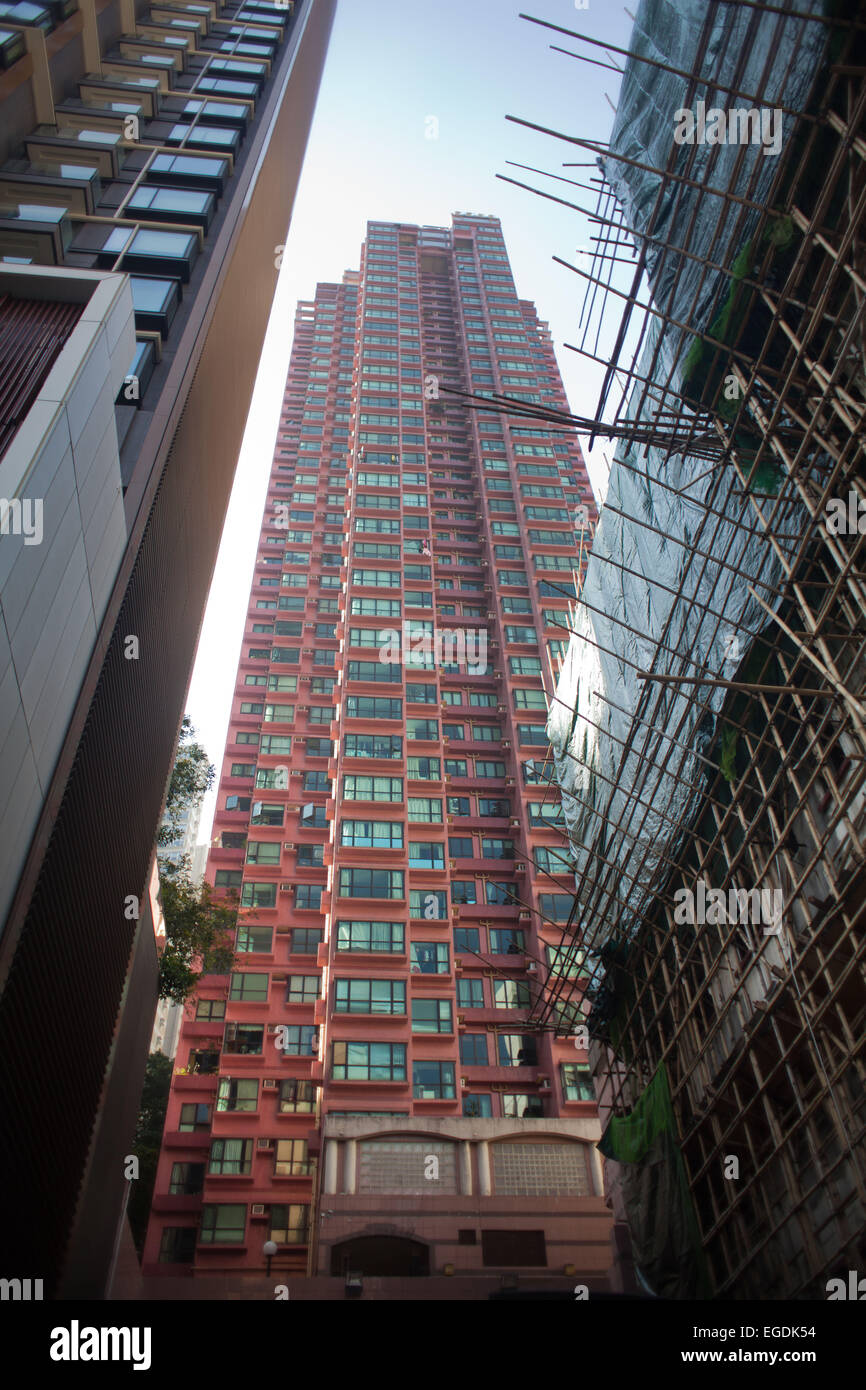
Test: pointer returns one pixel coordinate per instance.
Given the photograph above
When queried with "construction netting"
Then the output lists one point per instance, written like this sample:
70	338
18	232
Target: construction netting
692	547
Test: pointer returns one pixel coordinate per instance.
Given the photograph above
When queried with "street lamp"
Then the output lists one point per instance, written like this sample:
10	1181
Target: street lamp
269	1250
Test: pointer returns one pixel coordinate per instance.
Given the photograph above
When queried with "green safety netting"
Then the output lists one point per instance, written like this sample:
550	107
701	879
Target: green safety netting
664	1230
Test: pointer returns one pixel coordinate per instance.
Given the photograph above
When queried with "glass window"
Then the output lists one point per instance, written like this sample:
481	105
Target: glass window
368	1061
370	996
473	1049
433	1080
223	1224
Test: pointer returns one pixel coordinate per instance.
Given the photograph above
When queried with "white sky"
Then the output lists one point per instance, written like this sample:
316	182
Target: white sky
391	65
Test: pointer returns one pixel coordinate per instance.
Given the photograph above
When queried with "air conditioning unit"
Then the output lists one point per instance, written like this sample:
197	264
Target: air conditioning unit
257	1211
309	625
532	968
520	868
464	1082
287	844
269	1084
509	781
523	915
514	824
286	887
272	1027
490	616
264	1143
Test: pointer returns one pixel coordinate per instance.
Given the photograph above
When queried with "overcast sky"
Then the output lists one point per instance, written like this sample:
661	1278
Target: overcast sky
391	66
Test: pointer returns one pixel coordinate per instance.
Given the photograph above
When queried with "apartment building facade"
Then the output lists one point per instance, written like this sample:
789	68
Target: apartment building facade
364	1091
148	161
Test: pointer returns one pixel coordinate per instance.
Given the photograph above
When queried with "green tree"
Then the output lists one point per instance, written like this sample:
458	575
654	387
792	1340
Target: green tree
148	1137
199	932
191	776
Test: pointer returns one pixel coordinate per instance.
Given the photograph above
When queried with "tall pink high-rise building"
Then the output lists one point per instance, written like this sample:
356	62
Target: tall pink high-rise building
370	1089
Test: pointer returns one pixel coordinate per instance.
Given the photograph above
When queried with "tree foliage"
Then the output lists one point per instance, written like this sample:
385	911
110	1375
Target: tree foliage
191	776
148	1138
199	932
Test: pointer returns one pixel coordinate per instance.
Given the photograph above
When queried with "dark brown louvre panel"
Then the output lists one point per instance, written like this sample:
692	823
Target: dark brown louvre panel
32	334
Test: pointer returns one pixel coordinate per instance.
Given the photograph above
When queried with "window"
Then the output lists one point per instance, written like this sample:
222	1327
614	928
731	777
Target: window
550	860
497	806
302	989
500	892
237	1093
463	891
373	707
310	856
426	854
423	769
249	986
223	1224
296	1097
507	941
231	1157
187	1179
308	897
420	694
455	767
485	767
364	1061
431	1016
317	782
427	729
298	1040
433	1080
517	1106
371	883
362	935
370	997
530	699
262	851
373	671
194	1117
373	745
478	1106
290	1158
470	994
259	894
228	878
244	1038
473	1049
275	744
267	813
493	847
305	940
459	806
431	905
511	994
576	1081
362	788
378	834
289	1224
425	809
516	1050
208	1009
429	958
556	906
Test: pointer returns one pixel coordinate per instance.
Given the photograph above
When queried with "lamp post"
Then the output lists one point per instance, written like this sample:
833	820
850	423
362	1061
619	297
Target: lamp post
269	1250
